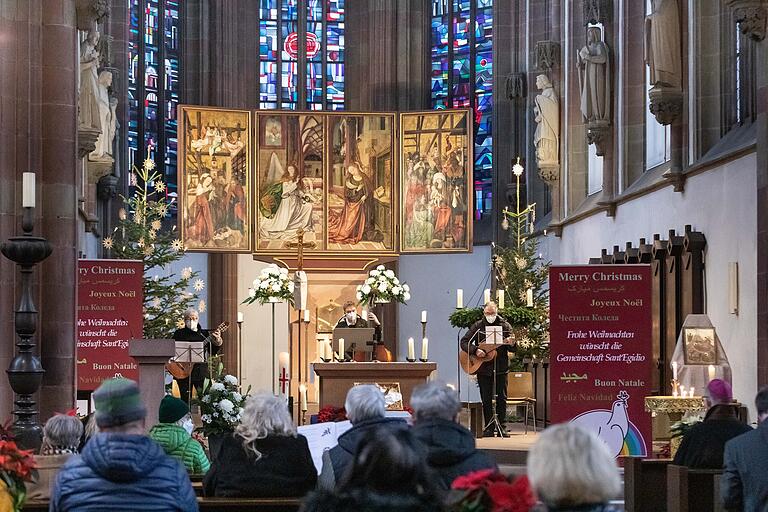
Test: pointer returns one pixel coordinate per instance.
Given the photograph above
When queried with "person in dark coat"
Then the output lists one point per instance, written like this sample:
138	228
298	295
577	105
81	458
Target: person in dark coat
366	411
450	448
744	484
703	445
211	347
387	473
121	468
474	337
264	458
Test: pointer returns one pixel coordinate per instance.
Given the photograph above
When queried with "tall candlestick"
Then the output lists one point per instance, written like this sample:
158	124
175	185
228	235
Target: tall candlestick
674	370
240	317
28	190
423	317
711	372
459	298
306	316
500	298
487	296
341	349
424	349
411	350
303	395
529	297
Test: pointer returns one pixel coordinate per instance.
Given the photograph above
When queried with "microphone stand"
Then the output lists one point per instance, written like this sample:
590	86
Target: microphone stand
494	421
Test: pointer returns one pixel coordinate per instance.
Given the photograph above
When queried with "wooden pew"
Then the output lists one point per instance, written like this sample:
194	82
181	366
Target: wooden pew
216	505
693	490
645	484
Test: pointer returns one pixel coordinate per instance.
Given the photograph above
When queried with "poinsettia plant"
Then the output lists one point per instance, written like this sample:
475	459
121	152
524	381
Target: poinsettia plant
16	468
488	490
331	413
272	285
382	285
221	403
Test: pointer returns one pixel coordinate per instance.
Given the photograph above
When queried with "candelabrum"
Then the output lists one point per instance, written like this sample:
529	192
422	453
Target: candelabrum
25	373
675	387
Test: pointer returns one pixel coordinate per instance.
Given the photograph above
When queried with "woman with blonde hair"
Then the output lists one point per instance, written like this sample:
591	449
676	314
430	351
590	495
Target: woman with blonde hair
264	457
571	470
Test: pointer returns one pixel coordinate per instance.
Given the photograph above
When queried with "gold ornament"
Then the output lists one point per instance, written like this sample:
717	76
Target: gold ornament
199	285
149	164
141	242
148	250
152	234
180	323
107	242
177	246
156	225
520	262
186	272
159	186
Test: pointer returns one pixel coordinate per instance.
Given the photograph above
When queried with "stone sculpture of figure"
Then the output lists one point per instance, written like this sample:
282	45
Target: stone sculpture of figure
547	111
595	78
662	44
88	107
106	121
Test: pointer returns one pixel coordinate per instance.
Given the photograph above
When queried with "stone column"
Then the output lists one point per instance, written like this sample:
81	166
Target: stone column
761	60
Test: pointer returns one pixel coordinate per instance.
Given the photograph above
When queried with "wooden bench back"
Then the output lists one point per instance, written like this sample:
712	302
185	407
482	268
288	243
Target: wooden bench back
645	484
693	490
216	505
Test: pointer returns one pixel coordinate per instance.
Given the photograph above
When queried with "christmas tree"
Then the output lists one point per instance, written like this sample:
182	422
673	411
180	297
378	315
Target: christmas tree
140	235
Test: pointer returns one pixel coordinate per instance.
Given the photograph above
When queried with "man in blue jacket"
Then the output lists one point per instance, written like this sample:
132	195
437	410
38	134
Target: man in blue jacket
121	468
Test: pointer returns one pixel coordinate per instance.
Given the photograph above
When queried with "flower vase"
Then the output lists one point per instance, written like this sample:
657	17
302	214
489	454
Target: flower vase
214	444
274	300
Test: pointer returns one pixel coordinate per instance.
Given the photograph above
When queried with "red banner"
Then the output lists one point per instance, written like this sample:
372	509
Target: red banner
601	352
109	313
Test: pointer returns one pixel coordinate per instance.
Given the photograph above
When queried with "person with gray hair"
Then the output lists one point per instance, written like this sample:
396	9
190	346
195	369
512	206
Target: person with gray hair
366	411
571	469
212	345
265	457
61	437
450	448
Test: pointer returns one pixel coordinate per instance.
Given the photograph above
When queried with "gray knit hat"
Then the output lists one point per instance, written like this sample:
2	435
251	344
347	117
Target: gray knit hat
118	402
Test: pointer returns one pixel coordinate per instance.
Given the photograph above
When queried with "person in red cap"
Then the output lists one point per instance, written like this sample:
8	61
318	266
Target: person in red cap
703	445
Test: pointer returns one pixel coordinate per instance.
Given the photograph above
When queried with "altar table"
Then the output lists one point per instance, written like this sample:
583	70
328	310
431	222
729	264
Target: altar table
337	378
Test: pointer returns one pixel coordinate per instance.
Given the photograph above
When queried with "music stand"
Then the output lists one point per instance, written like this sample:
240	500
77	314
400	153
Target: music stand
354	338
190	352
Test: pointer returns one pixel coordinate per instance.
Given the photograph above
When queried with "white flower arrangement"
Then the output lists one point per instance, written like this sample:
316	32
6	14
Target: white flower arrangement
221	403
272	285
382	285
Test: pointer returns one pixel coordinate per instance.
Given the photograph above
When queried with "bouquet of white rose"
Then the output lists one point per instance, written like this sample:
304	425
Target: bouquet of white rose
221	403
272	285
382	285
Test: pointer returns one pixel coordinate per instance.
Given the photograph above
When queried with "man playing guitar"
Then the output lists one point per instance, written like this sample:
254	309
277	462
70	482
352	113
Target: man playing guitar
192	332
470	343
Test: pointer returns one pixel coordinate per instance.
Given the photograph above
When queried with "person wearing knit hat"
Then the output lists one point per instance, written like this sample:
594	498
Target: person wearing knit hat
704	443
121	467
173	433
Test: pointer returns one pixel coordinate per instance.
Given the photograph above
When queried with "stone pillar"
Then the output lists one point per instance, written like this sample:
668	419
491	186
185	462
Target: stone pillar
761	61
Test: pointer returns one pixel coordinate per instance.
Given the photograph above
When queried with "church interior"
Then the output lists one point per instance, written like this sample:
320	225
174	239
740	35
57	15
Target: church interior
533	214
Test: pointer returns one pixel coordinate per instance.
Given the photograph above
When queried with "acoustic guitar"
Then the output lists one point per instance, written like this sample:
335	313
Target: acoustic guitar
471	363
180	370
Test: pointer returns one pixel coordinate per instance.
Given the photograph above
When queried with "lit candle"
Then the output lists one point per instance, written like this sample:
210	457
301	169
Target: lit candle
424	317
28	190
303	395
711	372
306	316
500	298
682	391
425	349
529	297
487	296
240	317
674	370
459	298
690	392
674	393
341	349
411	351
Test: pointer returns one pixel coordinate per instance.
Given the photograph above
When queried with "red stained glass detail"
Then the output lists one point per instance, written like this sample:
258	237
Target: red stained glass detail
291	45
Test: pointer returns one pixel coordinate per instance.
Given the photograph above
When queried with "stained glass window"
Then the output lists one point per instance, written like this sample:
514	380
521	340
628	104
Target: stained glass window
462	77
153	85
296	70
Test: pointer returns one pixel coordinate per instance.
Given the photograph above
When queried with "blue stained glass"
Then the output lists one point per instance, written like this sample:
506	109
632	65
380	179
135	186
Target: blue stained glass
268	9
335	45
315	82
461	5
439	37
268	73
439	7
461	33
317	29
315	10
287	29
483	73
289	10
268	41
335	83
288	82
335	10
484	30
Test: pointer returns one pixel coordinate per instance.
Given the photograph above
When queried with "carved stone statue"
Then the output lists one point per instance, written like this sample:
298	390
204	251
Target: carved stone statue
547	115
595	79
662	44
88	108
107	120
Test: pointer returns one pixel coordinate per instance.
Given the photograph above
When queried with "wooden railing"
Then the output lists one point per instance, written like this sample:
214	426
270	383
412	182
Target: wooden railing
693	490
645	484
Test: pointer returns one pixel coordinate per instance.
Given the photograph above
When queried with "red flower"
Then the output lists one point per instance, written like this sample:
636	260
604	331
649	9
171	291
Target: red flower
477	479
511	497
331	413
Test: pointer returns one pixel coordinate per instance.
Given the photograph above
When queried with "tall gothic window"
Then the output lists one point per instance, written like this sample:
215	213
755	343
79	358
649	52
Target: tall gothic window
301	54
153	85
462	76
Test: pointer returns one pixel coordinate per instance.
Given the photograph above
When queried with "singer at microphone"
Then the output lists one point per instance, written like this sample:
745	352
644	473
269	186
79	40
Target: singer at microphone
192	332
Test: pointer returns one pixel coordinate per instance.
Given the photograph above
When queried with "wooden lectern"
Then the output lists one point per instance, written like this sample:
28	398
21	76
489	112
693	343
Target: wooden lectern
337	378
151	356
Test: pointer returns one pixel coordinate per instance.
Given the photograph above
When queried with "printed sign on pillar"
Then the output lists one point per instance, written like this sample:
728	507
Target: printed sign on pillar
601	352
109	313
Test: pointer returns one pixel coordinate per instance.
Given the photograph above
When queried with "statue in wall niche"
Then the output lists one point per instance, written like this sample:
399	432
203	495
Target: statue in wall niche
88	108
662	44
107	119
595	78
547	114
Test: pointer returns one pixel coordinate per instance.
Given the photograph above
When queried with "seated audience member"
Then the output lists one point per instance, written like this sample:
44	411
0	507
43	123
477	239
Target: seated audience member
450	448
61	436
174	434
571	469
744	484
702	446
388	472
89	430
121	468
366	411
265	457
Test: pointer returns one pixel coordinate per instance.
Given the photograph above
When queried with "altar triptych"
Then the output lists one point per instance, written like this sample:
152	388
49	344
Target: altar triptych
349	183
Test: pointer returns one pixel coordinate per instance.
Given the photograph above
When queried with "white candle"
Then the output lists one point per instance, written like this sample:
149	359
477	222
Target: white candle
529	297
306	316
682	391
303	395
28	190
411	351
500	298
240	317
423	317
674	370
486	296
674	393
711	372
328	350
459	298
425	349
690	392
341	349
365	315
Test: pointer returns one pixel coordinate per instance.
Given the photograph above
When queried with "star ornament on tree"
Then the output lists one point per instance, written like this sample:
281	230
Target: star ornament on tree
107	242
149	164
177	246
156	225
199	285
186	272
159	186
180	323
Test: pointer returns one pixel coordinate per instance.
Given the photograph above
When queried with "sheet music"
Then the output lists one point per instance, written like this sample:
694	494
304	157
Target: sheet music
494	334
